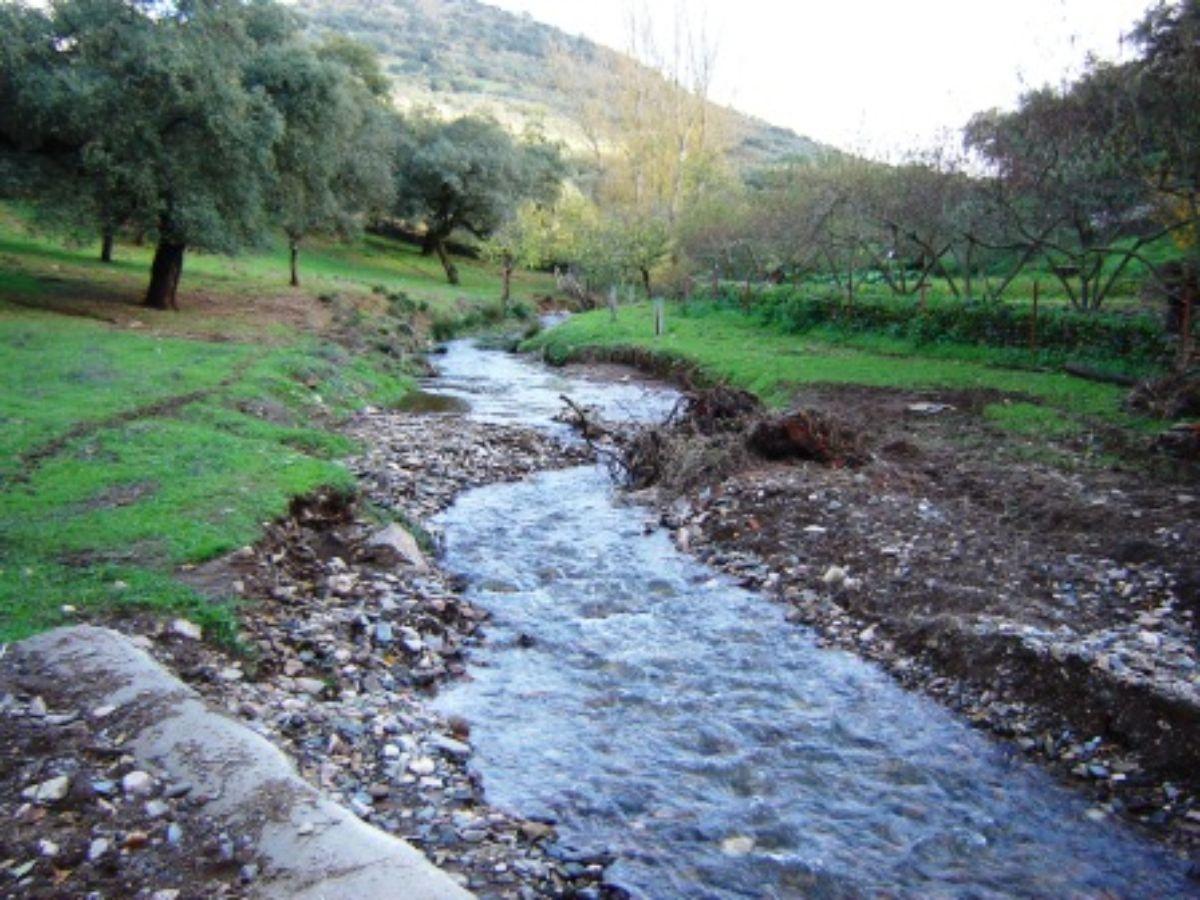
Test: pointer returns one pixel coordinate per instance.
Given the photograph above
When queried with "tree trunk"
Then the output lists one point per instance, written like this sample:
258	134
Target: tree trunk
106	246
164	275
294	246
506	287
444	258
646	281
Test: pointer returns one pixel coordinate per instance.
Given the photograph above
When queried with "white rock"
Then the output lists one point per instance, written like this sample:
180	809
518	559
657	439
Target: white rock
834	575
187	630
97	849
737	846
312	686
138	783
50	791
47	848
103	712
156	809
422	765
397	538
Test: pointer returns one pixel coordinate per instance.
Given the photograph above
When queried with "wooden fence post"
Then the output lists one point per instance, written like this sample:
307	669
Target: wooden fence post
660	316
612	302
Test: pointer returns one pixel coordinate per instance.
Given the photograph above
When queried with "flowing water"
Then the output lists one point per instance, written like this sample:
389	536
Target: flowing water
656	711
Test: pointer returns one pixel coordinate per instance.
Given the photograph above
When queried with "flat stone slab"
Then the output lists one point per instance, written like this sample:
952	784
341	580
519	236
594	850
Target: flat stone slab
310	847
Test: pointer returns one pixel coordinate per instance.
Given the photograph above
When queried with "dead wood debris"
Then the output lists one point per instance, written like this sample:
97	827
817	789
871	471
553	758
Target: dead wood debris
710	435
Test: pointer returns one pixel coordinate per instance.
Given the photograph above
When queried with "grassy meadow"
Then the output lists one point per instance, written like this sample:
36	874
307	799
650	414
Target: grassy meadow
134	442
729	346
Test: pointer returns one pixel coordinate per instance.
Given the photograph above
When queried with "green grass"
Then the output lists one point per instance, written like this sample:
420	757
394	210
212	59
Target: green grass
127	502
1031	420
726	346
34	266
103	520
128	451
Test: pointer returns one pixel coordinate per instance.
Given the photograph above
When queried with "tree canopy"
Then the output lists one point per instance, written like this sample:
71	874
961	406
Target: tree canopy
469	174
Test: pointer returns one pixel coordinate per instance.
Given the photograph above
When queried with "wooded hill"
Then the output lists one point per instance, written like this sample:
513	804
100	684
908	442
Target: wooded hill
463	56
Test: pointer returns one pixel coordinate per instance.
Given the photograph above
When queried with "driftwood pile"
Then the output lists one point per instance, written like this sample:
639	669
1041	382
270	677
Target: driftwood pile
710	435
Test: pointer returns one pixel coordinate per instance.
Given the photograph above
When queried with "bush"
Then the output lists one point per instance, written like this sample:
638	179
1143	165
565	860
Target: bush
1132	338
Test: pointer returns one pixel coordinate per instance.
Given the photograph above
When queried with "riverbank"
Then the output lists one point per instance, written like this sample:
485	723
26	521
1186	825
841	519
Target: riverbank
346	629
1051	604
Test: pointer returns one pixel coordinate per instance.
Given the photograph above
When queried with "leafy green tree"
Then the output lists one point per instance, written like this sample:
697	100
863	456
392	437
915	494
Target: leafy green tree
333	160
471	175
147	113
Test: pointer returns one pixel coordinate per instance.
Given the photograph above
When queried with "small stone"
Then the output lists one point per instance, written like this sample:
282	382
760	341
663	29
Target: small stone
47	848
22	870
97	849
451	747
156	809
379	791
249	872
737	846
165	894
306	829
37	708
292	668
536	831
383	633
312	686
834	575
103	712
189	631
232	673
50	791
422	765
1095	814
174	834
138	784
135	840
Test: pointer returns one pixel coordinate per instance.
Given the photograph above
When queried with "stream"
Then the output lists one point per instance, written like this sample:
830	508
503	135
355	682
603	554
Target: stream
654	710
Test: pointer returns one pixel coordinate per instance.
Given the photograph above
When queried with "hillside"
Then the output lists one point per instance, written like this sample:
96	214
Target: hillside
463	56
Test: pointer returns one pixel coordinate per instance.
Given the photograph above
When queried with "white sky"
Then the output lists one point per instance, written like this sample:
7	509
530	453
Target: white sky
874	76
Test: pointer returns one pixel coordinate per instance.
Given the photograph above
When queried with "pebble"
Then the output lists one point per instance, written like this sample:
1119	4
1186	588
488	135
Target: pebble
97	849
189	631
737	846
834	575
51	791
422	765
138	784
174	834
156	809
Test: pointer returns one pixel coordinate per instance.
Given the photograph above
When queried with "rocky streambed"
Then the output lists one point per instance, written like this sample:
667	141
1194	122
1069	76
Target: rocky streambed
628	705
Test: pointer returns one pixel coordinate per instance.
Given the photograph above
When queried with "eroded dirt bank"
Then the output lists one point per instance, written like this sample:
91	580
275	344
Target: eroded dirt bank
1056	607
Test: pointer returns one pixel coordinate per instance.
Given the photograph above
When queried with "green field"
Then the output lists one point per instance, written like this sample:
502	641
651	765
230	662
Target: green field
129	446
727	346
50	273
